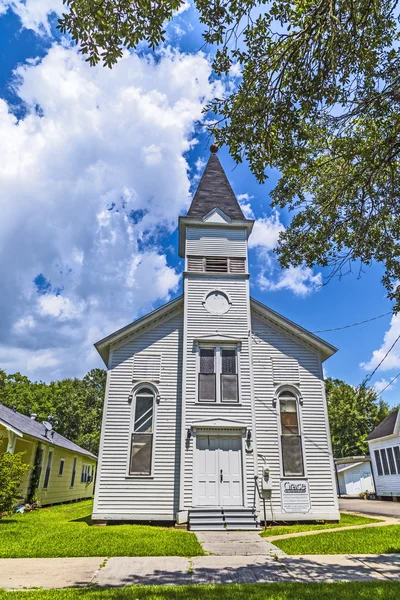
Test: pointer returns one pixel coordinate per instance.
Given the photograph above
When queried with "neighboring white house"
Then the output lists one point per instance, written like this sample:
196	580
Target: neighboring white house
354	475
212	391
384	448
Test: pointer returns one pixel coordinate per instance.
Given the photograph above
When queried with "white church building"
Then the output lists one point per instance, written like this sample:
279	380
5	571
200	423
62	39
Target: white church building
215	412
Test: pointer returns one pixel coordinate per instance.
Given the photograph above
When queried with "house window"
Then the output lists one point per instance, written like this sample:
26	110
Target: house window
73	473
207	375
384	461
397	457
48	469
61	466
218	375
229	378
85	474
216	264
292	452
142	436
392	466
378	462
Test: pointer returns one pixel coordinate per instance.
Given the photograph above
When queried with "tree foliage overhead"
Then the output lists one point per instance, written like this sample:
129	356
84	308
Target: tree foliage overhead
318	99
353	413
74	406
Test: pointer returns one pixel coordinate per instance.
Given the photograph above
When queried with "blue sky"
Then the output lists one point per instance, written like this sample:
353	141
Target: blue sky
97	167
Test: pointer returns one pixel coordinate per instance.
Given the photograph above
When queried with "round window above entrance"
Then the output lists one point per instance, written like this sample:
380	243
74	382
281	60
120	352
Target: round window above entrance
217	303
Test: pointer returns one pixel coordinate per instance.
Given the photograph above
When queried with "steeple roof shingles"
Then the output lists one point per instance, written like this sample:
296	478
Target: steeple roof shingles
214	191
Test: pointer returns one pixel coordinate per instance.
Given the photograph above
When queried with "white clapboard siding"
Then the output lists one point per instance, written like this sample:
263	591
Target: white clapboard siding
285	369
147	367
128	497
386	485
216	241
200	323
269	342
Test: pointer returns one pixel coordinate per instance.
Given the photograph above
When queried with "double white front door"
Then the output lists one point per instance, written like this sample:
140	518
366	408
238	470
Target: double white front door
218	477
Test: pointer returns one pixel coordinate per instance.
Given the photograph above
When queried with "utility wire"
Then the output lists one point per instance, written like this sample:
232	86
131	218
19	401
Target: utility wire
386	355
389	384
353	324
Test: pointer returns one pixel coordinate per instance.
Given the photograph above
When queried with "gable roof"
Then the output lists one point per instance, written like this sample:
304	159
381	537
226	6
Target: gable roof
214	191
324	347
103	346
387	427
25	425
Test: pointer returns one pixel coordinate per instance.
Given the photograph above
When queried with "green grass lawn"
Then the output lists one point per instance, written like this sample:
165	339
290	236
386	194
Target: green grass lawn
345	521
269	591
66	530
372	540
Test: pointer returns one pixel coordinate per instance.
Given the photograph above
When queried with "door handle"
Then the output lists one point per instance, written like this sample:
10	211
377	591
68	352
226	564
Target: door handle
221	476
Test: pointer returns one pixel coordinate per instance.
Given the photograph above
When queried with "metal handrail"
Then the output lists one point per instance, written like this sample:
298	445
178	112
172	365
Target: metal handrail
256	487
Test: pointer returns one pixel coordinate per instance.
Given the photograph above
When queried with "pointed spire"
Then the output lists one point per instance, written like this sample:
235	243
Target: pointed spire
214	191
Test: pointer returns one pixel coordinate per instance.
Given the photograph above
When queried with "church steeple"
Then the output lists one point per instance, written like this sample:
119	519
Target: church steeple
214	191
213	195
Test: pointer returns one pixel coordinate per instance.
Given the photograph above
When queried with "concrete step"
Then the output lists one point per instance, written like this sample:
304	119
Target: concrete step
220	519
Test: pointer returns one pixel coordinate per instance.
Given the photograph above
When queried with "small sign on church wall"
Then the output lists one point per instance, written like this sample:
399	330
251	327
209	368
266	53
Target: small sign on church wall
295	496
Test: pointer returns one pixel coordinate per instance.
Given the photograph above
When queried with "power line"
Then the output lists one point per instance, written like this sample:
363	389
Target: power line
353	324
389	384
386	355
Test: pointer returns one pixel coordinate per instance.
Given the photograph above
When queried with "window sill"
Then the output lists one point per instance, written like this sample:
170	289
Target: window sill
300	477
139	476
218	403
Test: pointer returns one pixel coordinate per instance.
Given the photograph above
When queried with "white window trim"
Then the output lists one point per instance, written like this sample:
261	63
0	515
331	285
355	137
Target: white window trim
278	392
218	372
62	460
71	487
48	466
156	396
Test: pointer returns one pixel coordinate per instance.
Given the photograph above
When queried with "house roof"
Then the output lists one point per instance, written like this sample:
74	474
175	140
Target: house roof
351	460
25	425
345	466
103	346
214	191
387	427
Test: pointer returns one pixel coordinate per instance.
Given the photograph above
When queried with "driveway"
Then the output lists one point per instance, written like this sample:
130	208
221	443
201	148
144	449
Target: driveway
371	507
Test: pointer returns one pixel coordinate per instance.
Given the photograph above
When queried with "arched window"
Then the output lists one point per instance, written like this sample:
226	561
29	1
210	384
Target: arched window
292	452
142	436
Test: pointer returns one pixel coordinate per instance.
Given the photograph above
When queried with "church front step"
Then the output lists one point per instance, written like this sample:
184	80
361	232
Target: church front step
220	519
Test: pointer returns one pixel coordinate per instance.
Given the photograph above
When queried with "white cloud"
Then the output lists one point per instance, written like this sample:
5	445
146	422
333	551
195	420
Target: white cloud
392	361
245	204
266	232
42	360
91	179
299	280
380	385
34	14
264	238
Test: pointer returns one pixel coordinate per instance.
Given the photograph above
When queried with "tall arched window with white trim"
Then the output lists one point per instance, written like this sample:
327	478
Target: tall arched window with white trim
142	436
292	451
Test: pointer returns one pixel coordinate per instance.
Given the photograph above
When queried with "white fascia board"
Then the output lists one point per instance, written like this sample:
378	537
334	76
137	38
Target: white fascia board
11	428
326	349
103	346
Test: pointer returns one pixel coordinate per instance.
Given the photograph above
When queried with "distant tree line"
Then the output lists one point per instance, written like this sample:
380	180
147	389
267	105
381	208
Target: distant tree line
73	406
354	411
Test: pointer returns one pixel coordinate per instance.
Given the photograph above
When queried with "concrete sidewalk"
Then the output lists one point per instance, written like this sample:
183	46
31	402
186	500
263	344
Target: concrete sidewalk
17	573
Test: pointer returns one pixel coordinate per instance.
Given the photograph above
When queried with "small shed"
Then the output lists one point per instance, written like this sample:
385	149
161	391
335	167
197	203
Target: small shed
354	475
384	448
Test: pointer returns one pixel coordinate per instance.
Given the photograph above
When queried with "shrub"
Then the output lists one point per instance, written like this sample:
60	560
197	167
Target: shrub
12	469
